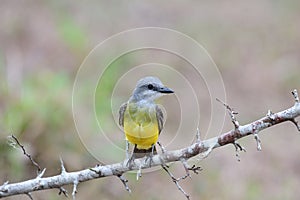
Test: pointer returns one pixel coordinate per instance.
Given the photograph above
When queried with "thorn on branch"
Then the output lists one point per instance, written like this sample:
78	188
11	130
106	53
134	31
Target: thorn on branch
238	148
125	183
41	174
63	169
99	164
5	183
295	94
75	183
63	191
296	124
29	195
207	152
270	115
232	114
258	141
198	139
3	188
14	141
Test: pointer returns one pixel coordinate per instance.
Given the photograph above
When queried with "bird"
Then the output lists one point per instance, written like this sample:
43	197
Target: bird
142	118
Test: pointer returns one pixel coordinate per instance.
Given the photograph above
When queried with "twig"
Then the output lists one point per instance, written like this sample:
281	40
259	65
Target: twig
195	169
232	114
75	184
238	148
206	153
125	183
176	181
29	195
258	141
63	191
26	154
236	124
296	96
295	123
297	101
186	168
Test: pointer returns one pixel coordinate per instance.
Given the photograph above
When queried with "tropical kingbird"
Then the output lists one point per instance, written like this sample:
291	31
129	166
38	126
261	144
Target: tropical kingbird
141	118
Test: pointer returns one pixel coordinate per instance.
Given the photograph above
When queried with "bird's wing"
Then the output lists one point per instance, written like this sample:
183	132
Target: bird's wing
121	114
160	118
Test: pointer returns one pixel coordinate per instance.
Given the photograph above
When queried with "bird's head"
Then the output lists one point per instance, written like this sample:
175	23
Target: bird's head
149	88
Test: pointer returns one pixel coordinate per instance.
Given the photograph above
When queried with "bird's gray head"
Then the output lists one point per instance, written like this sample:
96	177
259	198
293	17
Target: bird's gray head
149	88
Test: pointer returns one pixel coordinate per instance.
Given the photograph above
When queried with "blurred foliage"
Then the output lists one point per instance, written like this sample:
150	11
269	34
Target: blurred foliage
39	114
105	87
42	101
253	190
72	34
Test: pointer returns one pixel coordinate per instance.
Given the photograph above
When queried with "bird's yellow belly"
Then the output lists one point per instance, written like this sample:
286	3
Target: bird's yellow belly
143	136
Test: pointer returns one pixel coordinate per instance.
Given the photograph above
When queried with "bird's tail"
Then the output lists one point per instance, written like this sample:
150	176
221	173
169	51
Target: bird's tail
139	153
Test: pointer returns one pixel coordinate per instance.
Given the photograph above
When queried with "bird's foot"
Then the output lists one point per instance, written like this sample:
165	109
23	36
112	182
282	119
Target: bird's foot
163	149
150	156
130	162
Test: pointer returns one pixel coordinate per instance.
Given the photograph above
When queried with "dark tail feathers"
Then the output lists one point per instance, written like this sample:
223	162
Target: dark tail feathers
139	153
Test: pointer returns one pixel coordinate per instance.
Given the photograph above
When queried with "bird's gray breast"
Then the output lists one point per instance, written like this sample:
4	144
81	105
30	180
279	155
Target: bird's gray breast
141	114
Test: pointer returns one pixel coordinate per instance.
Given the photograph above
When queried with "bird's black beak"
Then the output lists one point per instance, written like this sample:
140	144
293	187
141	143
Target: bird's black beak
165	90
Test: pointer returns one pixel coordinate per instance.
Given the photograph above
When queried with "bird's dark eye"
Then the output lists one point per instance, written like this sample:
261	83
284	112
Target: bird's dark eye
150	87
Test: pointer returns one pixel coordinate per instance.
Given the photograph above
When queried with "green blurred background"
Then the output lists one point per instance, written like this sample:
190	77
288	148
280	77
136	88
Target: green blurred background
256	45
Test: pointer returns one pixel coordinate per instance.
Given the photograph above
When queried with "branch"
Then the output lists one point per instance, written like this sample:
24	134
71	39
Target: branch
199	147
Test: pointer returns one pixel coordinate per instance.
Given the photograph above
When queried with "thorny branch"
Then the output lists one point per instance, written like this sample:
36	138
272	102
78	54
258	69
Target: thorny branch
203	147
